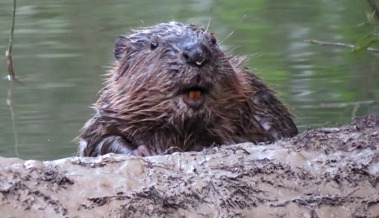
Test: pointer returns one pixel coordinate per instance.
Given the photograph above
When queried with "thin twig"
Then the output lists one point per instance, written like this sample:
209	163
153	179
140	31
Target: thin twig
8	52
340	44
9	103
375	8
345	104
12	78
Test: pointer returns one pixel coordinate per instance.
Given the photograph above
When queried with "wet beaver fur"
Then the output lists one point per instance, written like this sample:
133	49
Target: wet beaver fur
173	89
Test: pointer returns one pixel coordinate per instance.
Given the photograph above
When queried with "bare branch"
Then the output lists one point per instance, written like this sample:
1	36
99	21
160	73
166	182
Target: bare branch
339	44
8	52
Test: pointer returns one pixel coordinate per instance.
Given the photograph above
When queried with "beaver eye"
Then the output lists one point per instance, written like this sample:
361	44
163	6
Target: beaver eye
213	38
154	45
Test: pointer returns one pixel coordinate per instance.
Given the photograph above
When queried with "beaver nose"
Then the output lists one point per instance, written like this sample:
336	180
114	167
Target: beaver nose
196	54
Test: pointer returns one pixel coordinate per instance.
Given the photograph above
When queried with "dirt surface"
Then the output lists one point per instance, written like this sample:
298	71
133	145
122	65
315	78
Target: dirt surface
328	172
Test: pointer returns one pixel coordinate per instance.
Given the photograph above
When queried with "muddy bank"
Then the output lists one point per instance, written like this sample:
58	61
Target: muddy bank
328	172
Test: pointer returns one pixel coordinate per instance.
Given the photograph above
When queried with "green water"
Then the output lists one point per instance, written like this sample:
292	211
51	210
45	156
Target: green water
62	48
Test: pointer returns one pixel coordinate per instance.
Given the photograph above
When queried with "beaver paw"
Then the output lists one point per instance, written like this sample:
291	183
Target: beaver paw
144	151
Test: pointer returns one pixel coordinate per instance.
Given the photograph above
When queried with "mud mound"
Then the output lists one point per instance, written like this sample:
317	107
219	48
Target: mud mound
328	172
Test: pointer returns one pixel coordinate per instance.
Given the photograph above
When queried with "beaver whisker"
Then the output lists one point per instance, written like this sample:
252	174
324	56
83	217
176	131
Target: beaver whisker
230	34
209	23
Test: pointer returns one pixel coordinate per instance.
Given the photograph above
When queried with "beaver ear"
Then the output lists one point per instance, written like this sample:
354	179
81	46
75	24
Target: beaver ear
120	46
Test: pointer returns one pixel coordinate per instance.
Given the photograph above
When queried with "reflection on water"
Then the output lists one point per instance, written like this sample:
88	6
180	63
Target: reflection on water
63	47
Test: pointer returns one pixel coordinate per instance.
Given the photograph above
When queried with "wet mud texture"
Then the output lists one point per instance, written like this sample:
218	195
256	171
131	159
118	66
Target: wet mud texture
328	172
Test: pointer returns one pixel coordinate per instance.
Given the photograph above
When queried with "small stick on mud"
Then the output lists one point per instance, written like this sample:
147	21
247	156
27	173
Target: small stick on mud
8	52
340	44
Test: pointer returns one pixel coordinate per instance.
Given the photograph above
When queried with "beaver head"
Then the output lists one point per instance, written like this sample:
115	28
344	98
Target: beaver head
169	74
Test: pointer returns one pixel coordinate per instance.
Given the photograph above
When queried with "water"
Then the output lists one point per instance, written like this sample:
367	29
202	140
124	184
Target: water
62	48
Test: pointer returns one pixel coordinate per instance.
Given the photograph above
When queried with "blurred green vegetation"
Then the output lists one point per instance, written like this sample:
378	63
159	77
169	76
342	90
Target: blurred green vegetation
371	38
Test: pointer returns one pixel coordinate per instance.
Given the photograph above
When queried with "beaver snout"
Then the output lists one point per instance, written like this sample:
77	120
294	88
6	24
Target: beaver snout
196	53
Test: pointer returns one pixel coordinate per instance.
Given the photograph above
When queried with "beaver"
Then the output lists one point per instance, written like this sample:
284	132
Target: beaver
172	89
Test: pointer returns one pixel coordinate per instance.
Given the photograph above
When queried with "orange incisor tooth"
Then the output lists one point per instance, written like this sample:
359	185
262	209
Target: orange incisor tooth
194	95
